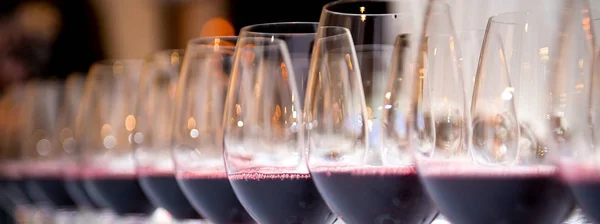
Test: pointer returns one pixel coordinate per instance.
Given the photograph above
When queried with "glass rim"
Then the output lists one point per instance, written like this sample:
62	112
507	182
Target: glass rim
339	31
247	29
165	52
209	42
474	30
262	42
111	62
326	8
509	17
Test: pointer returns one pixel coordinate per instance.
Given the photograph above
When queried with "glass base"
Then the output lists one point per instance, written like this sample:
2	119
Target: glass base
440	219
161	216
577	217
131	219
66	216
190	221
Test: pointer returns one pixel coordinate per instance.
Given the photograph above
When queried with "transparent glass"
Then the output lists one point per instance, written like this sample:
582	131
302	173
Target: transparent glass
384	34
44	173
355	182
65	141
471	42
197	129
299	38
596	27
14	196
506	154
104	128
573	107
152	134
375	27
263	134
376	22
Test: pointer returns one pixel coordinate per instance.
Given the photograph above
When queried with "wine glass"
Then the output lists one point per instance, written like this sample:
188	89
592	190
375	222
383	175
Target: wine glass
503	174
64	140
7	205
152	136
263	137
40	165
45	182
471	42
354	183
16	202
383	32
104	126
74	87
573	122
196	136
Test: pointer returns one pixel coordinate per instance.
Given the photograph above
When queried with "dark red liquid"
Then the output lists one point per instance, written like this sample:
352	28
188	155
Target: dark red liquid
17	190
588	197
6	205
163	191
51	190
6	217
375	195
77	192
281	198
585	185
213	197
511	197
121	194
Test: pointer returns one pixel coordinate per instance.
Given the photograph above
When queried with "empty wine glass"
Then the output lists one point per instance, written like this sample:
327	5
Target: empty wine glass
503	173
104	128
196	136
152	136
263	136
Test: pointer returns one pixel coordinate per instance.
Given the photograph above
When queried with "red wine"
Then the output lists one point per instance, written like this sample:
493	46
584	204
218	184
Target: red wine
74	183
211	194
77	192
281	198
585	185
45	184
16	187
480	195
6	206
375	194
50	189
120	193
16	184
6	217
163	191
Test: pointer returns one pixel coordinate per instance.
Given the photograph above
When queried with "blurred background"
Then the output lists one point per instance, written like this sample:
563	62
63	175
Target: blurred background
54	38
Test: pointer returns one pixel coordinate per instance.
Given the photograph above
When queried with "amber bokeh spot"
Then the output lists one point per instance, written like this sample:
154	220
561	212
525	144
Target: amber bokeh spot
217	27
